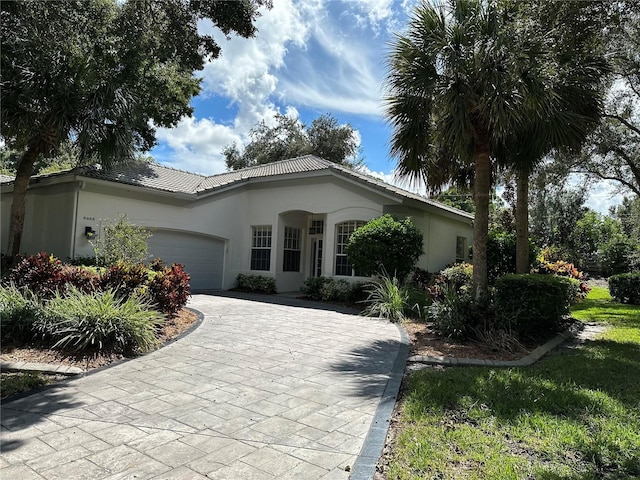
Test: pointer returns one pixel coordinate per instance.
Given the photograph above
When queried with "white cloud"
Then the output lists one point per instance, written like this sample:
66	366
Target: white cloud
197	144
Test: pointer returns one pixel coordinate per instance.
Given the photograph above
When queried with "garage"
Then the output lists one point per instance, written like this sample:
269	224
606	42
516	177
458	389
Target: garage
202	256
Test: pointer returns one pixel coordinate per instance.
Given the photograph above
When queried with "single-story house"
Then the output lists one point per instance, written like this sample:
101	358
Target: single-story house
289	220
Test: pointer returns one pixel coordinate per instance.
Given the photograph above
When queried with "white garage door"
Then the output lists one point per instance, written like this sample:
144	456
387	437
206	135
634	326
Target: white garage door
202	257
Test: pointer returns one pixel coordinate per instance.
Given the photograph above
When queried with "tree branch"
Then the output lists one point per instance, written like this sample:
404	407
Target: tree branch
624	121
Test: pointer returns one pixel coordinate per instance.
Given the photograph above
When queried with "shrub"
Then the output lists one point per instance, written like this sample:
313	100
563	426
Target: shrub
625	288
458	278
256	283
84	279
417	302
41	273
125	278
501	254
533	304
122	241
394	245
452	312
387	299
421	278
561	268
312	287
99	321
336	291
19	308
169	289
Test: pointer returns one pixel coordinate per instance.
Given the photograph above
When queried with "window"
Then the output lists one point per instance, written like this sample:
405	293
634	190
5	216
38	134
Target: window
261	248
343	232
461	249
317	227
291	261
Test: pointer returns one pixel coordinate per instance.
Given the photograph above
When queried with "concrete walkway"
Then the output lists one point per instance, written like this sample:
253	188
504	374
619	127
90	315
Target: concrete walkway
258	391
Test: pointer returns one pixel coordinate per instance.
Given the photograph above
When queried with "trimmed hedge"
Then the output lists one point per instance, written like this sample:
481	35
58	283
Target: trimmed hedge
256	283
625	288
534	304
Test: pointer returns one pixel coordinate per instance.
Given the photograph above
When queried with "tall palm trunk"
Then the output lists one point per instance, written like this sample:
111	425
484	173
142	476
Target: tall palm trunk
482	187
522	223
18	204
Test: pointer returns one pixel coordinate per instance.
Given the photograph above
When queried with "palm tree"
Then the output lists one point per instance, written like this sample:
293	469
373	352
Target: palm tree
573	104
464	81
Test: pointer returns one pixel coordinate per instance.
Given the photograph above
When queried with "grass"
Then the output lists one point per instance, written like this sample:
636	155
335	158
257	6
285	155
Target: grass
12	383
574	415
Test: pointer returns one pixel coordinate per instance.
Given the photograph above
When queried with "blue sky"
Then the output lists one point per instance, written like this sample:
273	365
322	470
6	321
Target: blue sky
309	57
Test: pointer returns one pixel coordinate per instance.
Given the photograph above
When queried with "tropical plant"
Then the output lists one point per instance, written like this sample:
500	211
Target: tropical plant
99	321
107	85
387	299
19	309
122	241
256	283
463	79
385	244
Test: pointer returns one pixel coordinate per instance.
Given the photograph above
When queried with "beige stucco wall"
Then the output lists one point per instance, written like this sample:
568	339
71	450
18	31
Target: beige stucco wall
48	221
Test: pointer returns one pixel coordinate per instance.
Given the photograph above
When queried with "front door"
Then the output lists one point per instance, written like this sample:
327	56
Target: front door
316	257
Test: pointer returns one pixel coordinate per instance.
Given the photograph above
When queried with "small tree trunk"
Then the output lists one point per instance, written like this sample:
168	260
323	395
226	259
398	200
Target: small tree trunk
482	188
522	223
18	204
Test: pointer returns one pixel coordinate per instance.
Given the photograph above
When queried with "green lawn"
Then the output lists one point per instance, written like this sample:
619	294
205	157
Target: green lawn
574	415
12	383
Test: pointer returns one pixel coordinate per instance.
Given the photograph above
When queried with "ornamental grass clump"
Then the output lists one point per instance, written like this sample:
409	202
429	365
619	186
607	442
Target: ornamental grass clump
100	321
387	299
19	308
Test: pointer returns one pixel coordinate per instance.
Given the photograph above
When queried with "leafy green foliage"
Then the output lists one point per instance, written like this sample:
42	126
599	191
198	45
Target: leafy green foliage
453	312
99	321
334	290
125	278
19	308
385	244
560	268
289	138
169	288
312	287
571	416
456	278
122	241
106	86
501	254
387	299
256	283
625	288
533	304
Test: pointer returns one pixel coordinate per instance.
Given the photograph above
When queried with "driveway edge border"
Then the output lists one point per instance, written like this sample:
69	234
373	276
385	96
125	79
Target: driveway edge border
365	465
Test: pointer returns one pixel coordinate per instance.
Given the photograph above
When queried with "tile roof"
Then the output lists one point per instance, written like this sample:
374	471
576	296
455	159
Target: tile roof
161	177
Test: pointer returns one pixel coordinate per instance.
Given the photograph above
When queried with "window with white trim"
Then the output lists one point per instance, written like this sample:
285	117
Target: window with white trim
291	257
261	247
343	232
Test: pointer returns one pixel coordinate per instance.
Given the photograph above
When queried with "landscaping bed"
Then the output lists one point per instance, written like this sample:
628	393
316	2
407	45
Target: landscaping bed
87	361
573	415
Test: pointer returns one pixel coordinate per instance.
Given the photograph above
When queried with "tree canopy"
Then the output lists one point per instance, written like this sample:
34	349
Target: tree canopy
469	78
102	74
289	138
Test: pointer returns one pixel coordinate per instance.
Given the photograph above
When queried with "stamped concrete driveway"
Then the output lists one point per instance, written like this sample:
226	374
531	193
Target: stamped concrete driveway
257	391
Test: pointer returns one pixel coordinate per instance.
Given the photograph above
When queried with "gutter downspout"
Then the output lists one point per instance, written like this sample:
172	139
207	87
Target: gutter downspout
74	226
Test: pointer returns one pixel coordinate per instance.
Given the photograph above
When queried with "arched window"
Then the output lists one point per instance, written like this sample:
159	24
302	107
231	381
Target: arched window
343	232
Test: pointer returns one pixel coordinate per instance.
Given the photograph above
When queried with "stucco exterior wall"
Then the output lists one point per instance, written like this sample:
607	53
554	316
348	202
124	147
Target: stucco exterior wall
55	224
48	224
